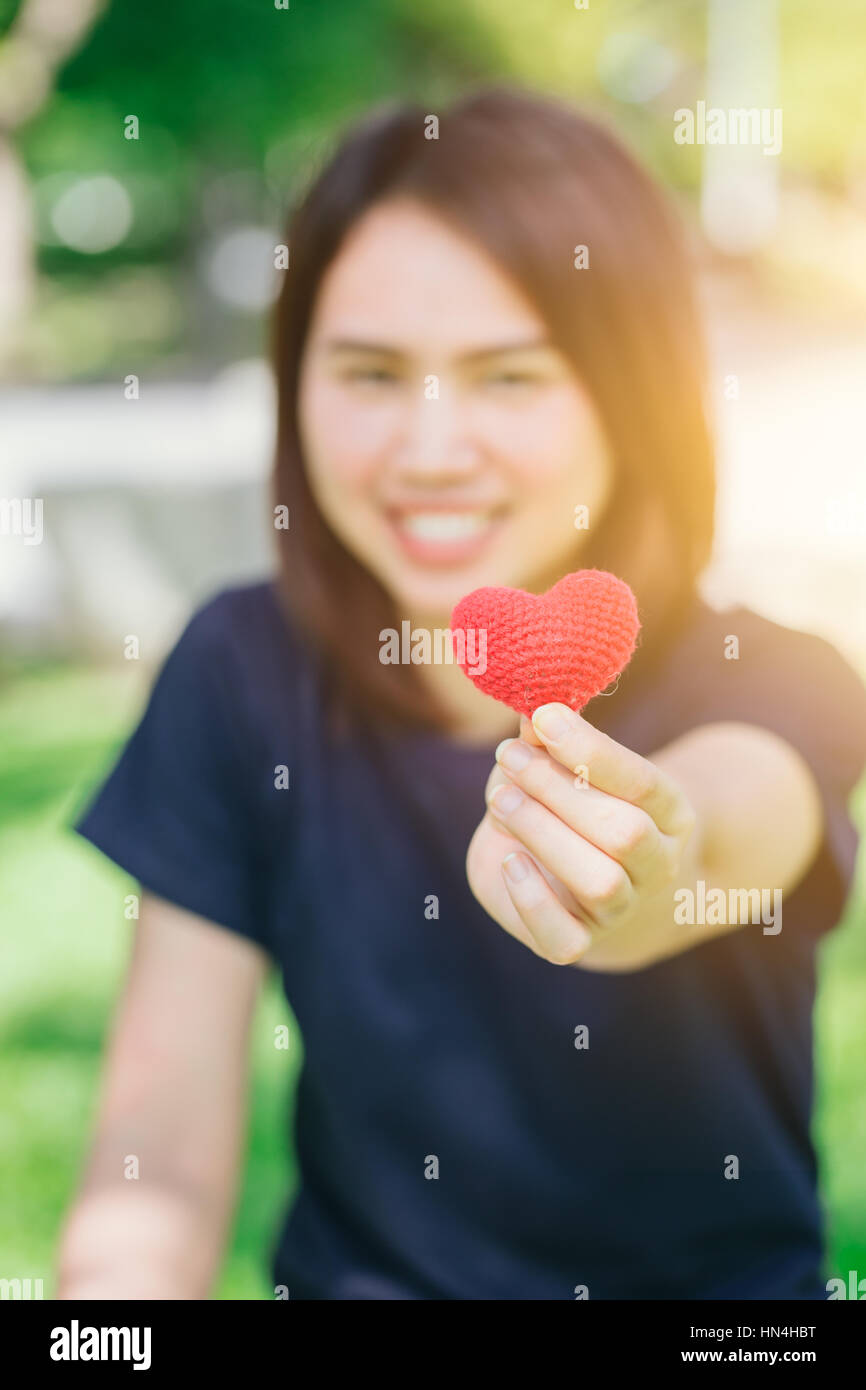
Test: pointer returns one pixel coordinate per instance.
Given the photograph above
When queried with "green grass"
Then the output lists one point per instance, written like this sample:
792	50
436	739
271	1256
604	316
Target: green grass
64	948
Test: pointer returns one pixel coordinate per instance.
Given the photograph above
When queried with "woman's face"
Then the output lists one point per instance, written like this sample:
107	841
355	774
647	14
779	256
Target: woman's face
447	443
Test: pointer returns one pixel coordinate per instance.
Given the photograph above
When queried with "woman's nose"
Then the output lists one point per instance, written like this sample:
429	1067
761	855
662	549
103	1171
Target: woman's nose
435	438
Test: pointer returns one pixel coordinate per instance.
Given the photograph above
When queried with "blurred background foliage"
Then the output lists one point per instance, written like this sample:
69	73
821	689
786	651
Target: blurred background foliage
137	240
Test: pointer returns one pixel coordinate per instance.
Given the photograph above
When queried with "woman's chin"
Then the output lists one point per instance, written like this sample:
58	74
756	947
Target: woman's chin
434	602
432	584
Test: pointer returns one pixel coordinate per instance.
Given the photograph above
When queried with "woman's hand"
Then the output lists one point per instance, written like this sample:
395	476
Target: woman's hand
583	845
608	839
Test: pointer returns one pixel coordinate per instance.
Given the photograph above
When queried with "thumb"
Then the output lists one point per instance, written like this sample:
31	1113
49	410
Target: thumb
528	734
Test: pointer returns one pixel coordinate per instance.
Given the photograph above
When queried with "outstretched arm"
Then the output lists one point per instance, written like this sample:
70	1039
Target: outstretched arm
606	842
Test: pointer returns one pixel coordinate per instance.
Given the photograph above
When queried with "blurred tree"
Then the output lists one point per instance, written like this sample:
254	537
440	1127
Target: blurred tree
236	101
37	37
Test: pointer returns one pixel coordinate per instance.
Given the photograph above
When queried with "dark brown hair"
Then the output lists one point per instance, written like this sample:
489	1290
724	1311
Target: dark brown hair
530	179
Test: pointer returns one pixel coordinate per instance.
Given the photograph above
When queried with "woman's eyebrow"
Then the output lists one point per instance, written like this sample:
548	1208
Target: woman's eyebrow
502	349
338	345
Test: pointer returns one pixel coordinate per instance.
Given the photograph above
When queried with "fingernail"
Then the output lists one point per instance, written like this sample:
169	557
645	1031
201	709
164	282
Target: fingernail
515	866
506	799
550	722
513	754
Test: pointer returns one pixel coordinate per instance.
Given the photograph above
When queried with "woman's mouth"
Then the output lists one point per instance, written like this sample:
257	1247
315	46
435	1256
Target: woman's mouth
442	536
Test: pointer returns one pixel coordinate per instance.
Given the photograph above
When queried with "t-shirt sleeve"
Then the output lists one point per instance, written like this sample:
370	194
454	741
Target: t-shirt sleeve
802	688
177	810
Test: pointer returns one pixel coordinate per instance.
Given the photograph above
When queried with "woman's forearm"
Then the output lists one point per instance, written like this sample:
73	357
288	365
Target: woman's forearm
758	827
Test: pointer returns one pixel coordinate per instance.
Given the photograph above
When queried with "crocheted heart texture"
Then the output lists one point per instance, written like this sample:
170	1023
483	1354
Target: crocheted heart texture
566	645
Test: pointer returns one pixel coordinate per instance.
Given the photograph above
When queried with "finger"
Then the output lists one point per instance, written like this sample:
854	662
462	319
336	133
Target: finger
558	936
528	734
507	844
623	831
600	886
500	906
611	767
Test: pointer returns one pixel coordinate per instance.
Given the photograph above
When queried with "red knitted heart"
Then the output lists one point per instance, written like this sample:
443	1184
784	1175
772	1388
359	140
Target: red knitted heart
566	645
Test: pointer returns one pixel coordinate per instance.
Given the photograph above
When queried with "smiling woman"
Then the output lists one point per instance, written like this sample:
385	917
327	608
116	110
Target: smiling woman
451	387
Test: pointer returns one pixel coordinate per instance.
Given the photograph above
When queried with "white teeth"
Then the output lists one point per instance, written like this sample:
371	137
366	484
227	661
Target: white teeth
444	526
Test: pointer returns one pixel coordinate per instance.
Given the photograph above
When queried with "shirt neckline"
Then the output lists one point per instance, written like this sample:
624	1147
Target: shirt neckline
435	742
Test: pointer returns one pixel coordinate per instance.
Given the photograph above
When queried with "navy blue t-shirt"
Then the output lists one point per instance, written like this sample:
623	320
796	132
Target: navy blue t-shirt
427	1037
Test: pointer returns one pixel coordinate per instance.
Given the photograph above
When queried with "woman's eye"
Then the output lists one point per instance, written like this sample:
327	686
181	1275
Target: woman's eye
510	379
376	375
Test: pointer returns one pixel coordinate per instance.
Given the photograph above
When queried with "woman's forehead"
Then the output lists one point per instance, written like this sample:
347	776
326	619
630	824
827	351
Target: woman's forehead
402	268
